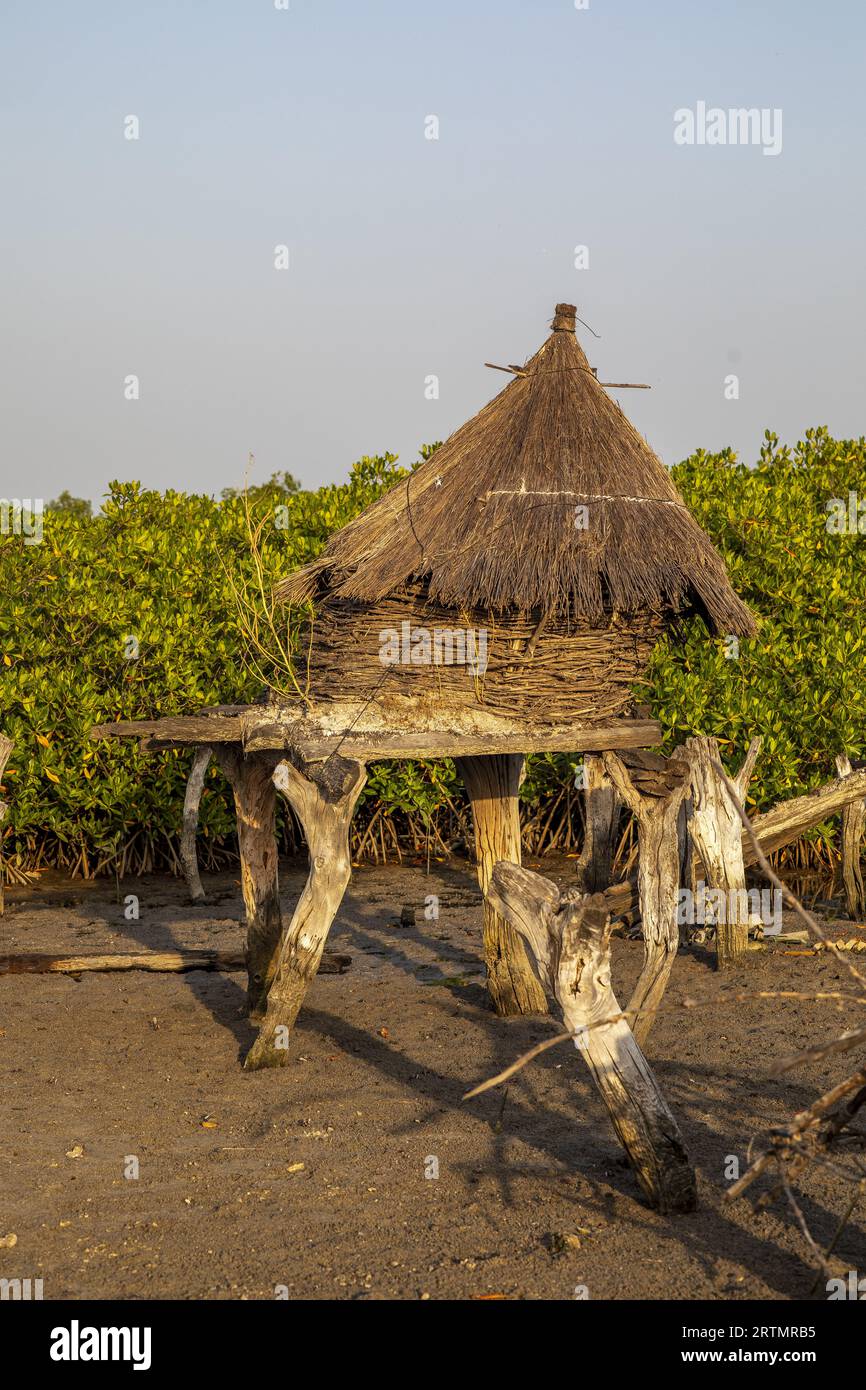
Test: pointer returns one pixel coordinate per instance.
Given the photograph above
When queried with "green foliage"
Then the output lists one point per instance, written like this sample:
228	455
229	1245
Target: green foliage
127	615
801	682
73	506
280	483
164	570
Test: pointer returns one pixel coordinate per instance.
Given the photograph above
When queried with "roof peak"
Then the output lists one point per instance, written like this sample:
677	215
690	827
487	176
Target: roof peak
564	316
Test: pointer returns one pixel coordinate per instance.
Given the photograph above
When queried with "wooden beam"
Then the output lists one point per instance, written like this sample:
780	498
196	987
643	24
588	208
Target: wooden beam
787	820
306	738
260	732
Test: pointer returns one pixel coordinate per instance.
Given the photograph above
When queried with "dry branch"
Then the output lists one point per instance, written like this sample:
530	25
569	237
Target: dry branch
44	963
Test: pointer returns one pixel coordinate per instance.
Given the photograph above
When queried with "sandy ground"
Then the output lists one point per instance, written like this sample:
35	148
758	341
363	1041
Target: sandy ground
314	1177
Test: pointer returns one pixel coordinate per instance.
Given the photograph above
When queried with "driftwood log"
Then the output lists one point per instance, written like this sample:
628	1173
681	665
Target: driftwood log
714	826
602	804
653	788
44	963
323	797
853	826
492	783
191	802
570	940
787	820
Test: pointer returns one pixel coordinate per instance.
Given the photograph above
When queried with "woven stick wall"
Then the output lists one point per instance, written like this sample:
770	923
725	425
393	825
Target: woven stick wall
548	671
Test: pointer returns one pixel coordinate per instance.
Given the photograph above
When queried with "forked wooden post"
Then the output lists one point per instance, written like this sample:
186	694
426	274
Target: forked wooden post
323	797
653	788
191	803
6	746
256	807
853	825
570	939
493	781
716	832
602	804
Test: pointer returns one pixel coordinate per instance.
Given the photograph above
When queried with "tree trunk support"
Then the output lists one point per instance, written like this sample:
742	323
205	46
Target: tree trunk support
323	797
602	804
716	832
570	939
192	800
492	782
251	780
853	825
653	788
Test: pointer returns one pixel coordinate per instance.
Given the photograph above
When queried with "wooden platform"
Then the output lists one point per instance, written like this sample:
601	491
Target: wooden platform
258	730
321	769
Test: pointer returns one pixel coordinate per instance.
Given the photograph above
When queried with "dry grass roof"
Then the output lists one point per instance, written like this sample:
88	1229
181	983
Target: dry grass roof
493	519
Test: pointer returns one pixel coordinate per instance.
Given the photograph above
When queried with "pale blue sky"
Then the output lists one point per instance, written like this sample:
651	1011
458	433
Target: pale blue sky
412	257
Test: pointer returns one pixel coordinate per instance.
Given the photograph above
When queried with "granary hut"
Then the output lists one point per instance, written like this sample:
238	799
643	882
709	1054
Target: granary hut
522	573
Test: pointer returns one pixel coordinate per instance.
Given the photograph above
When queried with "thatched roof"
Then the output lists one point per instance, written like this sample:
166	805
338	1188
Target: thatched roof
493	519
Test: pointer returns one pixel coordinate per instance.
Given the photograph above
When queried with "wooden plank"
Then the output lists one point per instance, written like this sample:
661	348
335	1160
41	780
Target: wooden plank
310	744
305	737
173	730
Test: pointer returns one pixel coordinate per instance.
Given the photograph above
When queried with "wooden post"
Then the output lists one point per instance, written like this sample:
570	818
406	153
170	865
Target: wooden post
570	939
653	788
492	782
255	805
602	804
6	746
716	831
853	825
323	797
192	800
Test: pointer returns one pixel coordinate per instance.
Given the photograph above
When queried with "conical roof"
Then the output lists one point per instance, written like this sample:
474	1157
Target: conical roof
547	499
